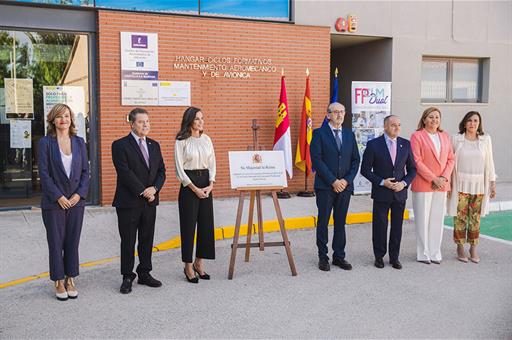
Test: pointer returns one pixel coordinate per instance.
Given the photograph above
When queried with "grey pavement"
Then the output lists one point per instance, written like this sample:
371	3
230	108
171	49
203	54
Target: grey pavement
24	251
451	300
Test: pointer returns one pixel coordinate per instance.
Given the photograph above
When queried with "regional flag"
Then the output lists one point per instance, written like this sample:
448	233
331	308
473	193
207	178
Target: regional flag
282	137
302	156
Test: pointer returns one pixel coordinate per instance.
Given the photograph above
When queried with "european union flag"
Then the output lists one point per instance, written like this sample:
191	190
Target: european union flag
334	94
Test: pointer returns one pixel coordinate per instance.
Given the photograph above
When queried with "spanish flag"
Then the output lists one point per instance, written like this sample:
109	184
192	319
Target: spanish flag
282	137
302	156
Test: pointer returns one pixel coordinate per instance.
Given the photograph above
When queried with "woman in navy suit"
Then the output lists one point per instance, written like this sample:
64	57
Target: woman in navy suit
64	173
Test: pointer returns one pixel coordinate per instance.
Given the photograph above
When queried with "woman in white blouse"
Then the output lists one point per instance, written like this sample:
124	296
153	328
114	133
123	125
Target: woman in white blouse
195	168
473	183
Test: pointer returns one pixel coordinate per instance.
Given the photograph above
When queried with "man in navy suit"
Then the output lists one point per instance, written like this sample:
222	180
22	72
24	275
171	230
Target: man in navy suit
140	177
388	163
335	157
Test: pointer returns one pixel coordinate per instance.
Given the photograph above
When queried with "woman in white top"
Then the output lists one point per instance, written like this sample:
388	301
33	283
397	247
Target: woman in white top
195	168
473	183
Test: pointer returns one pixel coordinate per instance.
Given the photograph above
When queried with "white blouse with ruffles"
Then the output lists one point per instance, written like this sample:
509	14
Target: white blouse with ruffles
470	168
474	167
194	153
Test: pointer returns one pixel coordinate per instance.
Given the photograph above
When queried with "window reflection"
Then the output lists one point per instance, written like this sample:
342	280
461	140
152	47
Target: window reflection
31	62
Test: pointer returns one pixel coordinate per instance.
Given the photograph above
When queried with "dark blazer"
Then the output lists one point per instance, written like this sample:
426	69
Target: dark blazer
331	164
377	165
133	175
54	181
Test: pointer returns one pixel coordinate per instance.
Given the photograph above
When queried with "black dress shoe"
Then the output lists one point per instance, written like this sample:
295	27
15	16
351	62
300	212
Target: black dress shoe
149	281
204	276
323	265
396	264
379	263
342	264
193	280
126	286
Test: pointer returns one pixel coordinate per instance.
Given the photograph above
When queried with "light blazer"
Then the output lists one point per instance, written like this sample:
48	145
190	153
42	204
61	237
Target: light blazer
377	165
331	164
428	165
485	146
54	181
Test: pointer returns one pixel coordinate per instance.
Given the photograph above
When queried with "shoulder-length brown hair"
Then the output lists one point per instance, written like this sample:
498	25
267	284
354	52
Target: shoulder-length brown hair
56	110
428	111
186	123
462	124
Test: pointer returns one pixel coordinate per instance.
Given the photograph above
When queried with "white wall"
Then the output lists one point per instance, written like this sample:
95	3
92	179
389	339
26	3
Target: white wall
480	29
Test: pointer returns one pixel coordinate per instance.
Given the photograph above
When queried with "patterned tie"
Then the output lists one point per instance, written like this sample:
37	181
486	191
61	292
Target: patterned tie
392	150
338	138
144	152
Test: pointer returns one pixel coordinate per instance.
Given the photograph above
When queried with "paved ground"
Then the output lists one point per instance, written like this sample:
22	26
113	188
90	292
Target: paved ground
24	251
451	300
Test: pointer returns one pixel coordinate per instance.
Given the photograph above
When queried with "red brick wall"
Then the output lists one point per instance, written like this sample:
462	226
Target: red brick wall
229	105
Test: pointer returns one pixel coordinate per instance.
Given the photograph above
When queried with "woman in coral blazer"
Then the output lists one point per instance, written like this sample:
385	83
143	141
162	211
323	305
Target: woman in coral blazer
433	153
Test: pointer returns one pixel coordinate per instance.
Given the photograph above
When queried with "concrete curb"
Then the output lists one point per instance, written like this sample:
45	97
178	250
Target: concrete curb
221	233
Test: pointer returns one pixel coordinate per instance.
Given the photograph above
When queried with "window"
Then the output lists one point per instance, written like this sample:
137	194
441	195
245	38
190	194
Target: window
452	80
273	10
37	69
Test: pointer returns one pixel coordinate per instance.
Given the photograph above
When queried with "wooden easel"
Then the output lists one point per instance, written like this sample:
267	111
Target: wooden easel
255	196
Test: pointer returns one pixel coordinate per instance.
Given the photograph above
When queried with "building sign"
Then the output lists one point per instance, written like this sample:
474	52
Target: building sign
174	93
139	92
139	56
346	25
371	103
224	67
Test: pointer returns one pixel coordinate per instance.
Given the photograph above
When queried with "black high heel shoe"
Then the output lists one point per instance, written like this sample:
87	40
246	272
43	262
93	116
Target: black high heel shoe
193	280
205	276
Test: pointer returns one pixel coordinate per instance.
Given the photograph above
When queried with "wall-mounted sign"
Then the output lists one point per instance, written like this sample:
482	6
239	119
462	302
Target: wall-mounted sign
155	93
139	56
346	25
224	67
139	92
174	93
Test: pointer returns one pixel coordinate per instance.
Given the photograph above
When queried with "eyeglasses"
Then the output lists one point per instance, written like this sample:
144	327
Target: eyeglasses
337	111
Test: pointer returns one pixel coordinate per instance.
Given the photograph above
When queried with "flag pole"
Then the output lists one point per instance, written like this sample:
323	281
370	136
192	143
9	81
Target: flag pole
281	193
306	192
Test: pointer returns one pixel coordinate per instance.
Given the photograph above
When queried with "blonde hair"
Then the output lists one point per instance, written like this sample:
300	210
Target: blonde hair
421	124
56	110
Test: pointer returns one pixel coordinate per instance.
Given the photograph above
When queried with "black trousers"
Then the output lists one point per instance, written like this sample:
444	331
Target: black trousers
196	211
380	228
328	201
63	229
131	222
